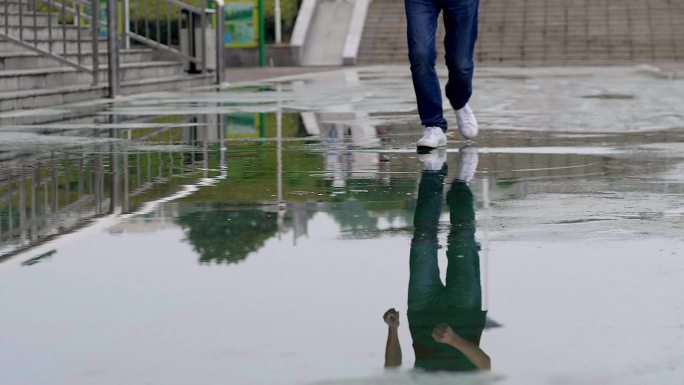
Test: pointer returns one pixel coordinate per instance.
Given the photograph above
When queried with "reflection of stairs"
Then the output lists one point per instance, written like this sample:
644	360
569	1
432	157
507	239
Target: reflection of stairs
546	31
30	80
44	195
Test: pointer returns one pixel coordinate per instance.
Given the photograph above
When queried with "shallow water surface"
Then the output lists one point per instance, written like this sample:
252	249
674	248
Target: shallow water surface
177	240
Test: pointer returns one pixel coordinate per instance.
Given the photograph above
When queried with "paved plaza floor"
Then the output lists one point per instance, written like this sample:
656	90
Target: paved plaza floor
256	234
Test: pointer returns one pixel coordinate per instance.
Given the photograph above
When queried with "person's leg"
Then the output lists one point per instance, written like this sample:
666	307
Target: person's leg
460	22
461	207
421	18
424	281
463	272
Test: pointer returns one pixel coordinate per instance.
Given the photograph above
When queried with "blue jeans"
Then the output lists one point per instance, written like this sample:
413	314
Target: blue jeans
460	22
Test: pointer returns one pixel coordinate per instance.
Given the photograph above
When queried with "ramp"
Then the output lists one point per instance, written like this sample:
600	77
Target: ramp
325	40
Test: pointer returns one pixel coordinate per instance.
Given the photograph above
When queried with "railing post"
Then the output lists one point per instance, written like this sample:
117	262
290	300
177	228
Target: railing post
203	31
95	36
126	24
192	47
262	34
77	24
278	23
112	48
219	41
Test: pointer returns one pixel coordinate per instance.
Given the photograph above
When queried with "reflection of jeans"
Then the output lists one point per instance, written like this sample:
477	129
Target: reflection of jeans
460	22
462	289
457	303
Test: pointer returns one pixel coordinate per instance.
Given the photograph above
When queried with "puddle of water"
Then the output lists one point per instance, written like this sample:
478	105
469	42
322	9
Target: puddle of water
264	248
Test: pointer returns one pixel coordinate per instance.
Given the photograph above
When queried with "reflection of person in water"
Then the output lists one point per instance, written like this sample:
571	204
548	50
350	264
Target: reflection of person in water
446	321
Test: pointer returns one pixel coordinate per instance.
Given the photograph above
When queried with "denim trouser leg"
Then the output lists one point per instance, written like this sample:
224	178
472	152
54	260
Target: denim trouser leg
460	22
424	282
421	18
463	285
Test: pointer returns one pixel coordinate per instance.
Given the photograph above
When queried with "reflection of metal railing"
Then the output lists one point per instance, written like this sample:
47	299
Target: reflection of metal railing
45	195
53	36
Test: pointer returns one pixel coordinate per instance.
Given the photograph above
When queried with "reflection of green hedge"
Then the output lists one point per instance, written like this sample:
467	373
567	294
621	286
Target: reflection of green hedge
220	235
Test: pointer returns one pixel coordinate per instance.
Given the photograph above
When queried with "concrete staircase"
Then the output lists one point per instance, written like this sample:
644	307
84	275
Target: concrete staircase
30	80
546	32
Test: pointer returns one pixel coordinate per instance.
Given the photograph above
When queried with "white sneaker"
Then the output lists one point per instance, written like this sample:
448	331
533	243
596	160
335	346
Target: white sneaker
434	160
467	124
433	137
468	163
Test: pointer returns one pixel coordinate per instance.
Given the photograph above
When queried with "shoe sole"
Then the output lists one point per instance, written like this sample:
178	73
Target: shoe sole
427	148
468	149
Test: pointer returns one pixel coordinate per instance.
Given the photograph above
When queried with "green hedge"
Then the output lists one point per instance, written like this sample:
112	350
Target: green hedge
140	8
288	14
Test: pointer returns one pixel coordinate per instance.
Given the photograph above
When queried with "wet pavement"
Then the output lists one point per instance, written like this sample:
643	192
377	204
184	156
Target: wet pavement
258	234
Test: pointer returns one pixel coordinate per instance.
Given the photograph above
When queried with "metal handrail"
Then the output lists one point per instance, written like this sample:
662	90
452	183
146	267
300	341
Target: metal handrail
169	14
196	56
144	33
62	11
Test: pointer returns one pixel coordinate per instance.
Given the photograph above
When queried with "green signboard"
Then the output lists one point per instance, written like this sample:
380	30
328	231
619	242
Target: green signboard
241	126
102	31
241	24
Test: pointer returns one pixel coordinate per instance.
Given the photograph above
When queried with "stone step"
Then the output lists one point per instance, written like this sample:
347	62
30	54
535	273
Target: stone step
518	58
45	97
30	79
14	60
45	33
540	48
13	19
15	106
56	45
498	45
8	6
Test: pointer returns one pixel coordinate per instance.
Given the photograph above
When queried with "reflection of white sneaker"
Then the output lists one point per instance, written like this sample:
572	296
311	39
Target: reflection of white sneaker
434	160
468	163
467	124
433	137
